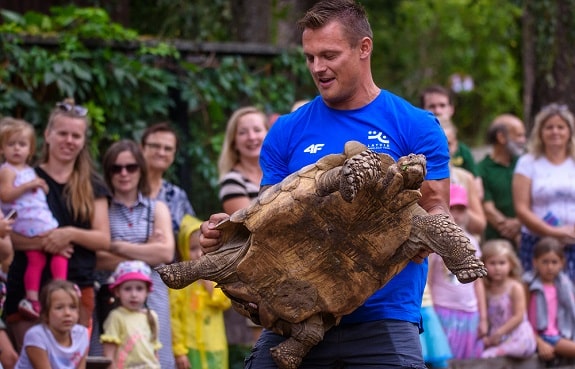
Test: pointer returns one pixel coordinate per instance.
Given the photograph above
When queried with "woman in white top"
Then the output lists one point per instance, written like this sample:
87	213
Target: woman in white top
544	185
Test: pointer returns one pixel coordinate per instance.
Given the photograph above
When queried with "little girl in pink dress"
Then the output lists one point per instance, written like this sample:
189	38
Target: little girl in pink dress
510	333
23	191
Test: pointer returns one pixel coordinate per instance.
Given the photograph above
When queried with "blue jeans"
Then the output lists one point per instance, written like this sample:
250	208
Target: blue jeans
552	340
378	344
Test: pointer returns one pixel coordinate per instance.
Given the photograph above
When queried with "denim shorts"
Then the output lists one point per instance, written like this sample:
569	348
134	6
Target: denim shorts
378	344
552	340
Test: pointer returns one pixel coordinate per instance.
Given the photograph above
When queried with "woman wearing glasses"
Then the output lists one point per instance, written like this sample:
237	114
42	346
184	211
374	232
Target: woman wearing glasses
141	229
159	144
78	200
543	185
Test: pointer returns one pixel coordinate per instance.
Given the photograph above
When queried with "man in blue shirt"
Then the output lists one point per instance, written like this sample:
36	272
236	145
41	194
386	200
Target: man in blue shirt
337	44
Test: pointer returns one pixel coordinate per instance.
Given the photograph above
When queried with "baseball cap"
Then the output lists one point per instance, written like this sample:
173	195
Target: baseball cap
133	270
458	195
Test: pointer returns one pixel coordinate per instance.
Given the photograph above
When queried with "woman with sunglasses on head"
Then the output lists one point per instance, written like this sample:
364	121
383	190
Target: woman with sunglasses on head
141	229
542	187
78	200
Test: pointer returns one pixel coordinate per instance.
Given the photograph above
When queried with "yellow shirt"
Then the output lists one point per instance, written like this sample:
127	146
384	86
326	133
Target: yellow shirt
198	323
131	331
197	318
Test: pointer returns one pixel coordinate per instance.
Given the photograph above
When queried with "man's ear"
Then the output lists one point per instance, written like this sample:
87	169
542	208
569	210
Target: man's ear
501	137
366	47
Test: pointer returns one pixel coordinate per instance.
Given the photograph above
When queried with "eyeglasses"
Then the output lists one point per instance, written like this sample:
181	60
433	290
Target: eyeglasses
130	168
79	110
158	147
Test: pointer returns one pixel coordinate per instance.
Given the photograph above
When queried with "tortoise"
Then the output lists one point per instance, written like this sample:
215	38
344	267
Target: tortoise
315	246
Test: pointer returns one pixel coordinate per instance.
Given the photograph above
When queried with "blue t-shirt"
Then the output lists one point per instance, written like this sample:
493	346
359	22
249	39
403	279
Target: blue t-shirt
387	125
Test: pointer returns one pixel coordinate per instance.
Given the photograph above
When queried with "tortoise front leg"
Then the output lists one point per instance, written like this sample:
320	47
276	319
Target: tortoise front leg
447	239
357	172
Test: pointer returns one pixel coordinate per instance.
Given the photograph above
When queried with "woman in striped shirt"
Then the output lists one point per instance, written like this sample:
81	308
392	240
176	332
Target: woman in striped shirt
238	166
141	229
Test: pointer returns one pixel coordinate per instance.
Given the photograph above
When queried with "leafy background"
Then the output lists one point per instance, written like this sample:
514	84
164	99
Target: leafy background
127	83
131	77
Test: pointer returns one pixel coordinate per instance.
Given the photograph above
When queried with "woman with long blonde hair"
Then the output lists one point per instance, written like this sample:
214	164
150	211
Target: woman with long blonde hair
238	166
542	187
78	199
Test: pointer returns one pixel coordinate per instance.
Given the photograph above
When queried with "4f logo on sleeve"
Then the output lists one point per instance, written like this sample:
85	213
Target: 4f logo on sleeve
314	148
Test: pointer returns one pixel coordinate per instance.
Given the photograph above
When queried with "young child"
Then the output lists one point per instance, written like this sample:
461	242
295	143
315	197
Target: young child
199	336
434	343
130	337
460	307
58	341
551	308
21	190
510	333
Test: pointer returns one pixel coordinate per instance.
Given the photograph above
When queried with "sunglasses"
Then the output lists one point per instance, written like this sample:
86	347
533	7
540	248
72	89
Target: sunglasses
76	109
130	168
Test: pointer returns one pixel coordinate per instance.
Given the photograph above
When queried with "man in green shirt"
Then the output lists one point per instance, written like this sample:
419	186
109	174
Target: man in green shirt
507	137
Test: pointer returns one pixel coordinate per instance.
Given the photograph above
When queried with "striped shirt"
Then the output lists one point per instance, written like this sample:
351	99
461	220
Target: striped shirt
135	224
178	203
132	224
233	184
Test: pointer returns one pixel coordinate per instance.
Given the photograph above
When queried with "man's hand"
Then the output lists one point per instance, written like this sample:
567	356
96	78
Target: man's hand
210	237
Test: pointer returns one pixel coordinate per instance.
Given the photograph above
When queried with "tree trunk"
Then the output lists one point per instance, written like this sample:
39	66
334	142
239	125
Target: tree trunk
251	20
293	10
528	56
552	38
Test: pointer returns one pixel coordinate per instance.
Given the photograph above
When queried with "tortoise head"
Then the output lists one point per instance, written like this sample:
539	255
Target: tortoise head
413	168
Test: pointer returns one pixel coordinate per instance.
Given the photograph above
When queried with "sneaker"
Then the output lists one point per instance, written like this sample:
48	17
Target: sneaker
30	309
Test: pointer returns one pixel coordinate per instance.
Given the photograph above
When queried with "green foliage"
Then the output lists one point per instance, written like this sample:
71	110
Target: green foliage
128	83
79	22
198	20
421	42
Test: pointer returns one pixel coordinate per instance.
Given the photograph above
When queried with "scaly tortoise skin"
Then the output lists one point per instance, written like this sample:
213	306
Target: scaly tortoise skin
315	246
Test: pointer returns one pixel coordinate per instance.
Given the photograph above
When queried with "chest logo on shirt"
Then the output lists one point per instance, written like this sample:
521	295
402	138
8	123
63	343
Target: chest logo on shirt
314	148
377	141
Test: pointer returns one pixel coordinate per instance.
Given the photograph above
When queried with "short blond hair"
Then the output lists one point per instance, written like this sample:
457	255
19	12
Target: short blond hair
10	126
502	247
535	145
229	155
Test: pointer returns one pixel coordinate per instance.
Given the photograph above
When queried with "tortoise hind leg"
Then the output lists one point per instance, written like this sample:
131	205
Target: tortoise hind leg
290	353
